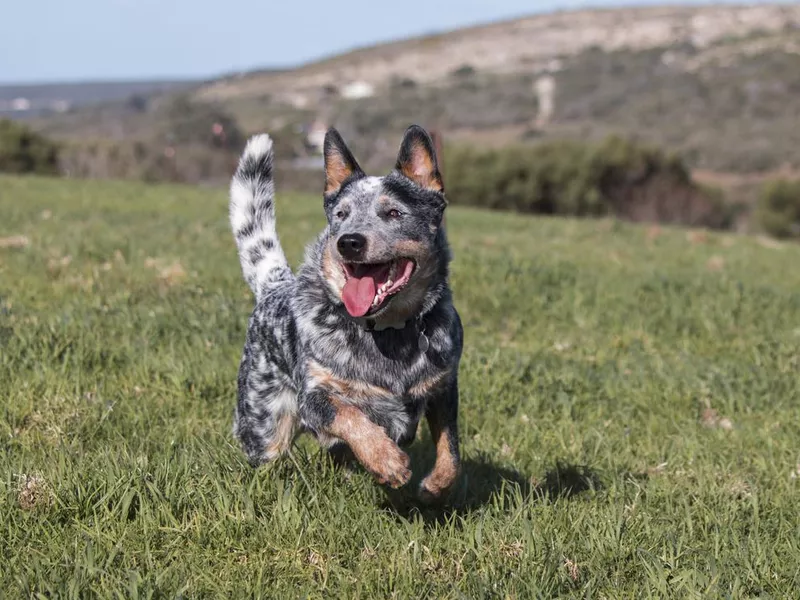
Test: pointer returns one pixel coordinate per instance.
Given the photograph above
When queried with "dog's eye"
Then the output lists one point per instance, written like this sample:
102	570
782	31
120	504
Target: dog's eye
341	214
394	213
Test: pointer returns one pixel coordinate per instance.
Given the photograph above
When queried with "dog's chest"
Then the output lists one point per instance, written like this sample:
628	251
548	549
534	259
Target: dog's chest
379	382
392	365
390	368
390	399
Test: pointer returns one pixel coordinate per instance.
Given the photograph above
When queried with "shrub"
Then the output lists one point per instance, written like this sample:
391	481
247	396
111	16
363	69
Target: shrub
464	71
615	177
22	150
402	83
778	209
187	163
190	122
138	103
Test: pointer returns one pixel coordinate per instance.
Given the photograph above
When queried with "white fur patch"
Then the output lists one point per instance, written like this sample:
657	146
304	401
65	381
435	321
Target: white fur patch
369	185
283	402
258	145
254	193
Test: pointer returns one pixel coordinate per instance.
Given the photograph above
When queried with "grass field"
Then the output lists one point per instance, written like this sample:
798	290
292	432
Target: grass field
630	415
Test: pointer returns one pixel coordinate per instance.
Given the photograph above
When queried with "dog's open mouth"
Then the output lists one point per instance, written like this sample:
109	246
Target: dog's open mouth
369	286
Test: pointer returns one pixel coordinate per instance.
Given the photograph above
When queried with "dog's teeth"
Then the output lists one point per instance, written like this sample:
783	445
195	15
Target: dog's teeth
389	283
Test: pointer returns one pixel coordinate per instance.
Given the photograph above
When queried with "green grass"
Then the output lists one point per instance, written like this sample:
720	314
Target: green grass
593	464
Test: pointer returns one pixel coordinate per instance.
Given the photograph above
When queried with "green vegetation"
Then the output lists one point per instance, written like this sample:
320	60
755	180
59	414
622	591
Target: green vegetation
778	211
615	177
726	108
194	142
630	414
191	122
723	108
152	161
25	151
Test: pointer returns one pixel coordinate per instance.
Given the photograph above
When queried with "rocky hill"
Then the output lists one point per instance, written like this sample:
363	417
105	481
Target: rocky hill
718	84
530	45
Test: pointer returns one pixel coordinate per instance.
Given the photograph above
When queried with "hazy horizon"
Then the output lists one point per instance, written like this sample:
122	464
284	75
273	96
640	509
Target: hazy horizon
143	40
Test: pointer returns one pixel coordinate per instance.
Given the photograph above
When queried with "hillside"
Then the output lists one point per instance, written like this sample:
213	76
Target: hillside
629	414
718	84
530	45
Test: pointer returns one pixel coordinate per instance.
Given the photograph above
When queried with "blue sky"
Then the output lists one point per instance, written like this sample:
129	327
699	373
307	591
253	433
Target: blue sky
67	40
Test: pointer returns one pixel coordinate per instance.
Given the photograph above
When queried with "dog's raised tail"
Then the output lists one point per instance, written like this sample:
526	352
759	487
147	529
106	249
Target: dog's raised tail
252	213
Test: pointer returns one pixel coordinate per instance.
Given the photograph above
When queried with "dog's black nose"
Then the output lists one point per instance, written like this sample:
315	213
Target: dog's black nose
351	245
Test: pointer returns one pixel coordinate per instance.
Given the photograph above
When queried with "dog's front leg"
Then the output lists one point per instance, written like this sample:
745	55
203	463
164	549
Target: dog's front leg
375	450
442	416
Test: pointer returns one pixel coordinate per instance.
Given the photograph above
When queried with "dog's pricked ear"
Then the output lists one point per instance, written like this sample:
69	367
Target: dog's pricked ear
340	163
417	159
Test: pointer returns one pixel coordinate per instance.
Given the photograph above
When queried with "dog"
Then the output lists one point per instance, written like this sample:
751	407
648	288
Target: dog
364	339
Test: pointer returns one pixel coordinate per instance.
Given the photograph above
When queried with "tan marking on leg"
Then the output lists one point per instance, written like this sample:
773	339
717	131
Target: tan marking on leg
285	432
447	467
370	444
426	386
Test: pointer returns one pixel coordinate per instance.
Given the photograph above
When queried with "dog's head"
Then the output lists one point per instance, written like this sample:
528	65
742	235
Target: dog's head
384	250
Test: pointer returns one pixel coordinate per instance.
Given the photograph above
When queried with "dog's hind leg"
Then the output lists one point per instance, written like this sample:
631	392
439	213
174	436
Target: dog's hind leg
266	424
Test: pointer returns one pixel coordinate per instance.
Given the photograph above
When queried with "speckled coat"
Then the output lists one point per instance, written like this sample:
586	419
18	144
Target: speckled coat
307	364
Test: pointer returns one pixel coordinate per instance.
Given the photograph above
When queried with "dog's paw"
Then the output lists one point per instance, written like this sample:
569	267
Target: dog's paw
426	494
435	488
394	469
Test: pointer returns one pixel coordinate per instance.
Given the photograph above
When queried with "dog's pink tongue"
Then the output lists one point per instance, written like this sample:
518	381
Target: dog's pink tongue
358	294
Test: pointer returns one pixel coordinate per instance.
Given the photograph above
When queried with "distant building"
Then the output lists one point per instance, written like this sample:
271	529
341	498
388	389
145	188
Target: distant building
545	89
60	106
315	137
20	104
297	100
358	89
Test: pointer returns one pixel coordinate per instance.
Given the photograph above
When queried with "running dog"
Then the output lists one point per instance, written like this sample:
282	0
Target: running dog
364	339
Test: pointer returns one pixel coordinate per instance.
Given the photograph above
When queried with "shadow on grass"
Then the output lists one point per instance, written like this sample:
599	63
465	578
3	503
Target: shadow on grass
483	482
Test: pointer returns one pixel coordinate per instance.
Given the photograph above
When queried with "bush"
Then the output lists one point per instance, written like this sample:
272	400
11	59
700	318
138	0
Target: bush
464	71
190	122
187	163
22	150
778	209
615	177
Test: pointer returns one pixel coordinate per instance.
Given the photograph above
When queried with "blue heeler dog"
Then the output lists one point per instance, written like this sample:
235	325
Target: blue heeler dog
364	339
